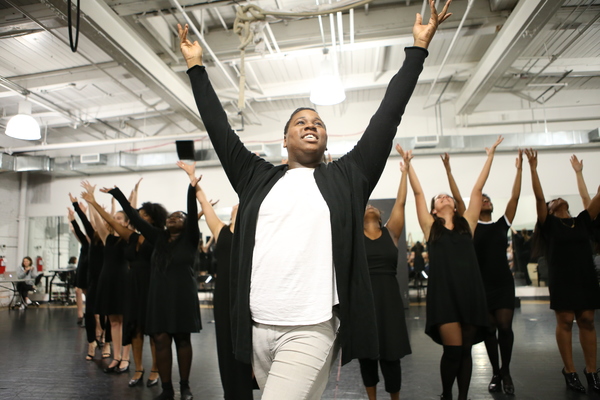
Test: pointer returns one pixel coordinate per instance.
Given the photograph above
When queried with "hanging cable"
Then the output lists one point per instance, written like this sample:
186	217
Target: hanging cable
70	25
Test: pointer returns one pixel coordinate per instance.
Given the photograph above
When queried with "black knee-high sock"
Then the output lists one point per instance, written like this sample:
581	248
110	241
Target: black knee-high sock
449	368
506	338
464	372
184	355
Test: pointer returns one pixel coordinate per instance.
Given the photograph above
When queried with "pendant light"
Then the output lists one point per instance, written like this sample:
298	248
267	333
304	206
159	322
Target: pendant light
23	125
327	89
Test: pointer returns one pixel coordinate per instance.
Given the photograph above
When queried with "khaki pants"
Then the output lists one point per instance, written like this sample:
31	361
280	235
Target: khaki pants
293	362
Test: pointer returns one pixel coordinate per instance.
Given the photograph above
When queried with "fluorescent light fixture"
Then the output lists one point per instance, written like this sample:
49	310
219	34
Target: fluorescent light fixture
23	125
327	89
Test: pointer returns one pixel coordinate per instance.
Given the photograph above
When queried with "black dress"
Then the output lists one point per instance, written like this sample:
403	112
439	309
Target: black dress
112	280
490	242
572	279
81	274
137	283
173	305
455	290
236	376
382	257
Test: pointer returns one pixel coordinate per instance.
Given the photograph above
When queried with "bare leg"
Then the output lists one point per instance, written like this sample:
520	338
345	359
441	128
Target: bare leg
395	396
564	332
137	346
154	370
587	337
116	330
79	301
372	392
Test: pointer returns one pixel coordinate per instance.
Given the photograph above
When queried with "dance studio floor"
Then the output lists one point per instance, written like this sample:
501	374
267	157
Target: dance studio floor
42	354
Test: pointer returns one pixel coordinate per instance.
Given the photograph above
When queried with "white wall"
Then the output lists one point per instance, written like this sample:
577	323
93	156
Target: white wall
169	187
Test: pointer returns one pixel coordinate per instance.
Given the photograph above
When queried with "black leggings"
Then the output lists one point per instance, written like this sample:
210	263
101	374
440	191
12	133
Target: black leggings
23	289
164	355
391	371
501	321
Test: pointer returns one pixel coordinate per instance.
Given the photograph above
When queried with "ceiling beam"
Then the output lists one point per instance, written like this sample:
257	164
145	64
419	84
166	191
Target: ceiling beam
525	22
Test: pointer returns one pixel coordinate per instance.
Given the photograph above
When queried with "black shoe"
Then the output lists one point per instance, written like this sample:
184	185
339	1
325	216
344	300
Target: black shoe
152	382
122	370
573	382
134	382
507	385
186	393
110	370
80	321
593	380
494	385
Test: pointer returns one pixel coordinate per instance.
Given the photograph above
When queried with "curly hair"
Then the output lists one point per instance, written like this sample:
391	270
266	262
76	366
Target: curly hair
157	212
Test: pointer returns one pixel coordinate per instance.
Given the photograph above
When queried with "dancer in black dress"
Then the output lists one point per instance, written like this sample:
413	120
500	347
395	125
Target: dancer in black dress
381	243
236	376
574	290
490	240
112	283
139	254
95	324
173	311
82	264
457	315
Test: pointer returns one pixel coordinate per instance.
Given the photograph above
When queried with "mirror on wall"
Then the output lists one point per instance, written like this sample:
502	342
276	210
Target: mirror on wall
51	239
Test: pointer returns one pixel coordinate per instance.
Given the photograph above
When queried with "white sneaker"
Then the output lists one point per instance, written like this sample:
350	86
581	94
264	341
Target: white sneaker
28	301
22	307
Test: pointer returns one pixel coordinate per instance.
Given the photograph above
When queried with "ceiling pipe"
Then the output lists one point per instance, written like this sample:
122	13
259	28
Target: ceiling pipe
458	31
77	145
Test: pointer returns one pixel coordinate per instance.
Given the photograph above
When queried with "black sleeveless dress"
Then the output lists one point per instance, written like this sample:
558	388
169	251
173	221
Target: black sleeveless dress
382	258
111	283
137	283
573	283
490	242
455	290
236	376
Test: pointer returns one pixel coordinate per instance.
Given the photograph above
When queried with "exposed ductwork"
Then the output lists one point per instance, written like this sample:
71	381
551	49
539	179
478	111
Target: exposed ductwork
123	162
503	5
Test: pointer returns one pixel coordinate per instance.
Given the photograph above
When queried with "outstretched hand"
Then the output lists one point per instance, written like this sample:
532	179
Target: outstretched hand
424	33
576	163
88	187
190	169
71	214
106	190
492	150
72	198
83	207
192	52
531	157
137	185
406	156
89	197
519	160
446	160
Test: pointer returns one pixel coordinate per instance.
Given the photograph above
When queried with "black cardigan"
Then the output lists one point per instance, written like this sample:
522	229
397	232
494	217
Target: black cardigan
345	184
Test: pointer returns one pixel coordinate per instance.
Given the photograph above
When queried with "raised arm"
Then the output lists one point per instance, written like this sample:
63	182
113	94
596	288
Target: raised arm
511	207
191	226
423	215
149	232
581	186
133	197
237	161
540	201
594	207
472	213
460	203
76	229
395	223
123	232
89	230
372	150
101	228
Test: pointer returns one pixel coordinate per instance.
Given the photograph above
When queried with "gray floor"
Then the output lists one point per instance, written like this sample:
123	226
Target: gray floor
42	354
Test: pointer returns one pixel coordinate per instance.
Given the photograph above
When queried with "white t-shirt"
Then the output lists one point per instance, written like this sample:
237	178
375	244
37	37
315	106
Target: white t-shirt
293	280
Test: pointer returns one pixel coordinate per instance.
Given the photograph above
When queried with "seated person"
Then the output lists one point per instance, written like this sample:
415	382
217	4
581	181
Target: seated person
27	271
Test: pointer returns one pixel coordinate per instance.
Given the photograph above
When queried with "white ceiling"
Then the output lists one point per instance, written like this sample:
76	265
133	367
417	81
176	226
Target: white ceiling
127	78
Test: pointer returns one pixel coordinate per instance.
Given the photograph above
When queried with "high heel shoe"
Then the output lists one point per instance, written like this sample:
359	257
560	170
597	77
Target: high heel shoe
122	370
573	382
152	382
110	370
134	382
593	380
494	385
507	385
106	350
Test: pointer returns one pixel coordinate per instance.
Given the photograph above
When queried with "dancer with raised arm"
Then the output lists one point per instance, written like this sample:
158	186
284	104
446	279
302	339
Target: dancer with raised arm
457	315
173	311
573	285
381	243
309	214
